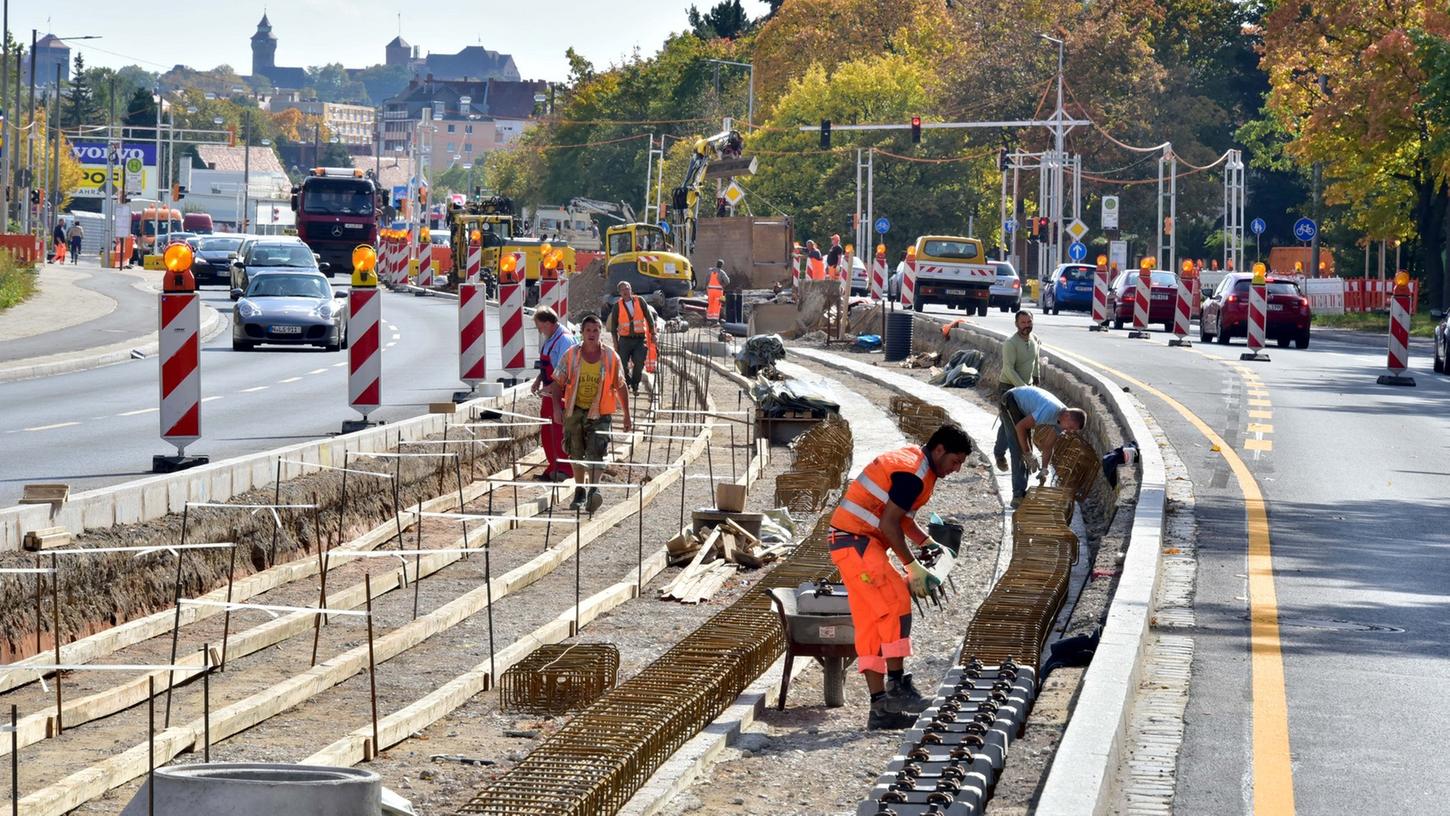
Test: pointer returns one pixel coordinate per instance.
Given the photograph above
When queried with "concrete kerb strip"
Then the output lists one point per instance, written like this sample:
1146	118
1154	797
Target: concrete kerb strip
212	325
150	498
1079	781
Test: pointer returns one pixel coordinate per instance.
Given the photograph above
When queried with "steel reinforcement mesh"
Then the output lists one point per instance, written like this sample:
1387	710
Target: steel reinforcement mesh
596	762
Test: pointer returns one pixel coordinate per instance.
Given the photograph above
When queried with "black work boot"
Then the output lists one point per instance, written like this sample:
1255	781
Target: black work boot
594	501
886	715
905	696
578	501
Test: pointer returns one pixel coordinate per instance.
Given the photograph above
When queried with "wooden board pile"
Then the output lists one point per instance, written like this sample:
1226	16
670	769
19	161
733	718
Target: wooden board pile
711	557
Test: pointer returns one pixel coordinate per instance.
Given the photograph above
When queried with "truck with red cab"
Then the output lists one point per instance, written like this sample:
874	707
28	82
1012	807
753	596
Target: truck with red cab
337	208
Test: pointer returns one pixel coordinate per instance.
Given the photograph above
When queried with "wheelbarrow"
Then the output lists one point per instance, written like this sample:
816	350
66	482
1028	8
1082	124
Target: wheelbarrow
824	633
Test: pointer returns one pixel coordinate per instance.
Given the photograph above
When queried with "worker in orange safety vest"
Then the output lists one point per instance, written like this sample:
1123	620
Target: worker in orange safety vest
715	290
632	324
593	388
876	515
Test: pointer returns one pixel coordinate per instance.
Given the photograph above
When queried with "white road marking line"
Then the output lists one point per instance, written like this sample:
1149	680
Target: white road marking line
318	371
138	411
390	345
51	427
289	380
255	388
339	365
209	399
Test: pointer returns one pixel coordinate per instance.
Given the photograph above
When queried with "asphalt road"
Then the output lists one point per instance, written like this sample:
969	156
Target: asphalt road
100	427
133	316
1356	481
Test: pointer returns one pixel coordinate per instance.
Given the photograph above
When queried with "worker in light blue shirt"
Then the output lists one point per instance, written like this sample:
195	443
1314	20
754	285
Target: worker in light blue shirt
554	340
1022	409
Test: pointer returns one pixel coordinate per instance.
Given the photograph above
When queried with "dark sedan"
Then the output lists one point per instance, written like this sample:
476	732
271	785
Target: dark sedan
1162	298
213	256
290	308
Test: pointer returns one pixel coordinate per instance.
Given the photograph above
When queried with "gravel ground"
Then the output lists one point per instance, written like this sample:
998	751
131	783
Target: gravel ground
822	760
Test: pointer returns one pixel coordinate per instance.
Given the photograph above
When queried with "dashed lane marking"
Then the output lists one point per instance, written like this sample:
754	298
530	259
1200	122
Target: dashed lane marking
51	427
1273	771
318	371
255	388
138	412
1261	414
339	365
1260	403
213	397
1258	427
1264	445
289	380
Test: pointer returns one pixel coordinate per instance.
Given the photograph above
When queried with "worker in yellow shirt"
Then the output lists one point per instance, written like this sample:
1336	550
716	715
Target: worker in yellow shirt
593	387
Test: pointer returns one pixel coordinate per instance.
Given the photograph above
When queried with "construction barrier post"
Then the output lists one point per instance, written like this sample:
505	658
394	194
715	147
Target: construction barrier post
1100	295
1182	308
1142	292
475	257
1399	348
425	260
908	281
180	359
1258	315
472	342
364	333
511	316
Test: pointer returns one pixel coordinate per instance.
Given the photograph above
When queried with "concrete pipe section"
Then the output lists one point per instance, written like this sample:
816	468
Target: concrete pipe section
247	789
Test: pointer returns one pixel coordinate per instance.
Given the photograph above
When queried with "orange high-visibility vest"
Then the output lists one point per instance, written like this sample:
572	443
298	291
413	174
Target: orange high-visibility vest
608	377
627	326
860	509
715	294
816	268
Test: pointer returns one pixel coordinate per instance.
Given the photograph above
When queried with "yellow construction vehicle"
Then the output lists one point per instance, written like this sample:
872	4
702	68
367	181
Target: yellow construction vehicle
685	201
493	218
641	254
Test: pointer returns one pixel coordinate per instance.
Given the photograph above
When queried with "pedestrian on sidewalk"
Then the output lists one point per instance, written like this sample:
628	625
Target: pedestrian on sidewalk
593	383
553	342
76	234
58	240
876	515
1027	407
1021	365
632	324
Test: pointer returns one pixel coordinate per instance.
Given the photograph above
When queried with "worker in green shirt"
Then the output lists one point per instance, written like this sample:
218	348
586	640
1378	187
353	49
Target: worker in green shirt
1021	365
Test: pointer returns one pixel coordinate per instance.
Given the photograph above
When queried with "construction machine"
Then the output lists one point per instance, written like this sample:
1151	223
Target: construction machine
497	225
724	146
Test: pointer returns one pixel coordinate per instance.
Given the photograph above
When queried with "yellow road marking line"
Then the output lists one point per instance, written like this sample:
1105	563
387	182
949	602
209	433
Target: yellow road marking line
1258	392
1261	414
1258	427
1273	772
1258	445
1261	403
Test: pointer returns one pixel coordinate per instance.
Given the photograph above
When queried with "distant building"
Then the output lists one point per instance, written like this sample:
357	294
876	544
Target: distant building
473	62
217	180
397	52
470	118
50	51
353	125
264	60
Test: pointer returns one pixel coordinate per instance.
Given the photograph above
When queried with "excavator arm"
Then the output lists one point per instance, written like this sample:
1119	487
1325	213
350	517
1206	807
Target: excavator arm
685	201
621	211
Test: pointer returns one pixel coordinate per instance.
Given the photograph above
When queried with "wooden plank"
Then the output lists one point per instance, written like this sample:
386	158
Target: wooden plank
689	571
47	538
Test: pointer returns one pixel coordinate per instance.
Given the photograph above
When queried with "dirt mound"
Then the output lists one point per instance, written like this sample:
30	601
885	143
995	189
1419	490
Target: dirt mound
587	289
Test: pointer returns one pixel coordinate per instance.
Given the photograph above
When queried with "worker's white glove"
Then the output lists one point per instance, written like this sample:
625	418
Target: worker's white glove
1030	463
917	578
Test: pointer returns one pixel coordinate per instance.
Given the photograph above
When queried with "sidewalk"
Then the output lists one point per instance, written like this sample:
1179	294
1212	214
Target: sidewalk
83	317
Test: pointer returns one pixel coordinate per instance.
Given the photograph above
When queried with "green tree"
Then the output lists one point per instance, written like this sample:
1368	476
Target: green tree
331	83
381	82
141	109
725	19
80	107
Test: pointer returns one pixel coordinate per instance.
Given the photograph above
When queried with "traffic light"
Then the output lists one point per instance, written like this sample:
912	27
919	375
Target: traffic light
35	196
177	192
825	134
1041	226
916	130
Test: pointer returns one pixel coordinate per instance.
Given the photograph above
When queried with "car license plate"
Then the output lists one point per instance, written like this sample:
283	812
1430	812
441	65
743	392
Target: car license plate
1276	307
286	329
1161	297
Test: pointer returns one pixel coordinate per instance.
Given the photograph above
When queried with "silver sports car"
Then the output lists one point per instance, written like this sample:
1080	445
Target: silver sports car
290	308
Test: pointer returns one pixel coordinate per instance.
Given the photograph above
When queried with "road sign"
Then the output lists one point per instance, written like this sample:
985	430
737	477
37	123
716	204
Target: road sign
1077	229
734	194
134	168
1076	251
1110	212
1257	226
883	225
1118	254
1010	225
1305	229
664	226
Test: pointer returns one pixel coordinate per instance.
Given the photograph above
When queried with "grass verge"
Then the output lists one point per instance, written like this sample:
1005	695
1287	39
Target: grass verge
17	282
1421	325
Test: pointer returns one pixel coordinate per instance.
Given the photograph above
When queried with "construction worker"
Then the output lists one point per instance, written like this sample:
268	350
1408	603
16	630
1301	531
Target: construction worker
632	324
715	291
833	257
1021	365
1022	409
553	342
593	384
876	515
815	262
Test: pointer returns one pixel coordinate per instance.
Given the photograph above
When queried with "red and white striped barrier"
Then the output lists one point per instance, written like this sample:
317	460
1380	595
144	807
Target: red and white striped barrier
1142	292
475	260
180	360
878	278
1181	313
1100	296
1399	345
551	290
1258	316
511	291
908	285
1195	295
364	342
472	341
425	264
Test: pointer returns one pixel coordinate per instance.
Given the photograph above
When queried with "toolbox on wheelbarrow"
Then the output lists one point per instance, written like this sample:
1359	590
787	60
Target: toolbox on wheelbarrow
816	621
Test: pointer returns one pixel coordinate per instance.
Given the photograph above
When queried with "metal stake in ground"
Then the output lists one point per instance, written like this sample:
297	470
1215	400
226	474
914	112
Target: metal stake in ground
418	559
578	558
322	563
227	615
14	760
206	702
372	667
277	499
151	744
55	625
176	620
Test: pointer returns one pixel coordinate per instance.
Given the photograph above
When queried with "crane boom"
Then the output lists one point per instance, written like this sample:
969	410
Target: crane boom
685	201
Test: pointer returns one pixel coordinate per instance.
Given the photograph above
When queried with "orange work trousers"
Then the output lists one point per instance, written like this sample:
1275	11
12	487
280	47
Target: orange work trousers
879	597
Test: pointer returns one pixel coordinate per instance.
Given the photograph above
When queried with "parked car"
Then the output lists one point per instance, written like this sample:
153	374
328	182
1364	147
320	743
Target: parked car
1163	292
1006	292
213	257
1070	287
1442	341
297	307
271	253
1226	312
860	277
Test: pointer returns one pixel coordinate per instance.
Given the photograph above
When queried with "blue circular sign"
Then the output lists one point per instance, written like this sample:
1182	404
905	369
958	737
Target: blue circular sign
882	225
1010	225
1076	251
664	226
1305	229
1258	226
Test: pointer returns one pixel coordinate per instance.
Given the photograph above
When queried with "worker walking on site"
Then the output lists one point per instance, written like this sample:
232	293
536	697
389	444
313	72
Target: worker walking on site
593	386
1024	408
1021	365
715	290
632	325
876	515
553	342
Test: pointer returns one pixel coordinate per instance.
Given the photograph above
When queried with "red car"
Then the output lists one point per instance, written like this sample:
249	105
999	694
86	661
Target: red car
1226	312
1162	298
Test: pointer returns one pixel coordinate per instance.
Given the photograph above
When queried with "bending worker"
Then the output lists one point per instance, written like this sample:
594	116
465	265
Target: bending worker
593	384
632	325
553	342
1024	408
876	515
1021	365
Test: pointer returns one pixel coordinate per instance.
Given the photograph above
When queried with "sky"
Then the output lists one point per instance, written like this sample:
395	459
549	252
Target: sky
207	33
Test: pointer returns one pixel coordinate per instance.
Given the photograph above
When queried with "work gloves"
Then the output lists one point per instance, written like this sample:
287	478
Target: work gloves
919	579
